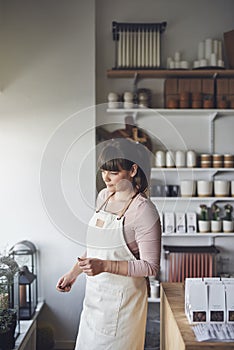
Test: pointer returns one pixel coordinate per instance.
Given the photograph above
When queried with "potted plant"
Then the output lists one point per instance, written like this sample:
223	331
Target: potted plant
203	221
8	315
228	219
216	223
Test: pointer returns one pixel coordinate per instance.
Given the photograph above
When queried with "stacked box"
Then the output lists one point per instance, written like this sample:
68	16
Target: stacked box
216	297
173	88
169	222
225	93
230	302
197	302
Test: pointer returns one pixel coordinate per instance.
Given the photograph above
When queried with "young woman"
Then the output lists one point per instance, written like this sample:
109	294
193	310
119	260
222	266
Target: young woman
123	247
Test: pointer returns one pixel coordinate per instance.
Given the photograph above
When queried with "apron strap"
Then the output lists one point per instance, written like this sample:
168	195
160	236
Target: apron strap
103	204
127	206
124	209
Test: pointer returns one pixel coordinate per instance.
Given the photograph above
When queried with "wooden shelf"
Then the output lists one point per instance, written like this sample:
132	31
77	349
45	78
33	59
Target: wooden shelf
199	234
193	199
173	73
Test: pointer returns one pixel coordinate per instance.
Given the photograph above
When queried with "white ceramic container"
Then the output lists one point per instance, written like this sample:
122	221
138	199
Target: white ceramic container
203	226
204	188
221	188
160	159
188	188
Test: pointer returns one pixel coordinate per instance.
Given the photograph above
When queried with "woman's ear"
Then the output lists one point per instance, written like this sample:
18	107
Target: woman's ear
134	169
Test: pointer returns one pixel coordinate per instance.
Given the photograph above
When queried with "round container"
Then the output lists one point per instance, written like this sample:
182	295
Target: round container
221	188
203	226
205	160
217	161
216	226
180	159
128	96
170	159
160	159
187	188
228	226
204	188
113	104
128	104
113	97
228	160
232	188
191	159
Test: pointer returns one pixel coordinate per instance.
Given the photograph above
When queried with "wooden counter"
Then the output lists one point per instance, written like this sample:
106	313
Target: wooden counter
175	331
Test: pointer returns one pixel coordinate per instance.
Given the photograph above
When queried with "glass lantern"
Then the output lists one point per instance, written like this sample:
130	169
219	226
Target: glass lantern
27	294
25	254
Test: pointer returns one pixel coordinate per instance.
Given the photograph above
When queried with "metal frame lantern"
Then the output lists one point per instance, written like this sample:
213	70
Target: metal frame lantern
25	254
27	293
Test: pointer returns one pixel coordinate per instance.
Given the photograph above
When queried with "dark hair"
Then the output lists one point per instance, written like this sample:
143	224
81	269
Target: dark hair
120	154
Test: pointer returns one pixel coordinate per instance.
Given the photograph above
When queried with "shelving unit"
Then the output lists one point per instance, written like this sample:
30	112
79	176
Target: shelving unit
171	73
168	125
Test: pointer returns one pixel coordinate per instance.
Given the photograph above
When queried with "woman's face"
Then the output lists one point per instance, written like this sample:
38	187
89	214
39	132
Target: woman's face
118	180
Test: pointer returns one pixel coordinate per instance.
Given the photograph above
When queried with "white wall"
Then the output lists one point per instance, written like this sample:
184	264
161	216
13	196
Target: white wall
47	74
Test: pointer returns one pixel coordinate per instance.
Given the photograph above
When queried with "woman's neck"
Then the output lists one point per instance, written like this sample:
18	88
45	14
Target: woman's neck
123	195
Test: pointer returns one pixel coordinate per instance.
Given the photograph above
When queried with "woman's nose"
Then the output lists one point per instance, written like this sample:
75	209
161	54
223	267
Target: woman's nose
105	176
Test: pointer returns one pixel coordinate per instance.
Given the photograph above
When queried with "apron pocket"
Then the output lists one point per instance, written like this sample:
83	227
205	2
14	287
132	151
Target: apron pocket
101	307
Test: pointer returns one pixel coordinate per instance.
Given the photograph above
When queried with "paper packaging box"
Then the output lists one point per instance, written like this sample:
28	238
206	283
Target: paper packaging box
191	222
217	308
169	222
180	223
227	280
189	281
229	288
197	303
212	280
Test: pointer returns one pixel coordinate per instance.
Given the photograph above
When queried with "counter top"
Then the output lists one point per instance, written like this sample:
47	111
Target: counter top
176	333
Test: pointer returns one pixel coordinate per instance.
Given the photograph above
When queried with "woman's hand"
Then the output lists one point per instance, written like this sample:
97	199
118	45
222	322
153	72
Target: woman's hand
92	266
65	282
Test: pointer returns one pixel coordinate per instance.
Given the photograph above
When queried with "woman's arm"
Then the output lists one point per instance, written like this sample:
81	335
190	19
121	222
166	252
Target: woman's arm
65	282
93	266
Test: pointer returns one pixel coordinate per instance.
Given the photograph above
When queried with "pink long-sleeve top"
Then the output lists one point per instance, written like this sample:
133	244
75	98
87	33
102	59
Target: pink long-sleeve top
142	231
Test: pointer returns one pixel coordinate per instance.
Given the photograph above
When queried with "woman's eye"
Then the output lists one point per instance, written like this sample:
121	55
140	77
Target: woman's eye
114	172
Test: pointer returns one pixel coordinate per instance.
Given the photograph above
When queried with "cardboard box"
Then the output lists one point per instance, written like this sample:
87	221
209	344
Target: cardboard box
180	223
197	303
217	307
169	222
191	222
229	289
229	47
189	281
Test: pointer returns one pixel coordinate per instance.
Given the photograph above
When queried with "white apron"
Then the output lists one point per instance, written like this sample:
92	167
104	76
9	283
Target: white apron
115	307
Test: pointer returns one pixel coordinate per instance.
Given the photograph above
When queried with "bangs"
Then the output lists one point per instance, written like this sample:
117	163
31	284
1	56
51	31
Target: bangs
116	165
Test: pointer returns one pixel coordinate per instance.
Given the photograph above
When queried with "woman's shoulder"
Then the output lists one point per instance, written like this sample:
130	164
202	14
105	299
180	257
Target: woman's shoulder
143	202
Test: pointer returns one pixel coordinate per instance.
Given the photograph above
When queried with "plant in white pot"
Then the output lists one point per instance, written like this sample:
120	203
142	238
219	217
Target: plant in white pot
228	225
216	223
203	221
